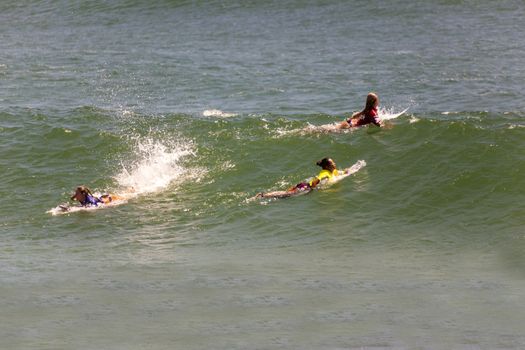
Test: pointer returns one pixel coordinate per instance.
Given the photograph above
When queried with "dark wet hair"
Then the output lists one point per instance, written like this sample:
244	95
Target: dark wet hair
323	163
82	189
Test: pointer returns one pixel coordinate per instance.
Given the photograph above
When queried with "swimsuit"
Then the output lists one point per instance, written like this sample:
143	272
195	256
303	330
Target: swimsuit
303	186
369	117
90	200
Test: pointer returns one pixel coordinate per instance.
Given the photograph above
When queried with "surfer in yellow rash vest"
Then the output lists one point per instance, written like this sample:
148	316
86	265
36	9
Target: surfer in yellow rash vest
328	171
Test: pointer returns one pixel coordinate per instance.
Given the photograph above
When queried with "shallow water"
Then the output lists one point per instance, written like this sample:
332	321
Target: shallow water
196	107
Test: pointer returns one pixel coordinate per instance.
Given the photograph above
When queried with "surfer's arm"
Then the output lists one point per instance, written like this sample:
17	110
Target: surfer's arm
356	115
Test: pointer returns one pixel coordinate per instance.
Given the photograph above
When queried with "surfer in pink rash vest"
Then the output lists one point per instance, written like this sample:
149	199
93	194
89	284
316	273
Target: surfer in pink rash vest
367	116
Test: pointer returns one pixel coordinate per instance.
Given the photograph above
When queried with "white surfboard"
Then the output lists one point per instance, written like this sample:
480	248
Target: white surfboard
347	172
67	209
390	116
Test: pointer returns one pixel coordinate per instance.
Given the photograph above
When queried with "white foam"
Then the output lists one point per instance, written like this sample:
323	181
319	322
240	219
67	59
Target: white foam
514	126
127	113
217	113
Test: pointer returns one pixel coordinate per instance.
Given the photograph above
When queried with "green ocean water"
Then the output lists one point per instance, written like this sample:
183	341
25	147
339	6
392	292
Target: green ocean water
198	106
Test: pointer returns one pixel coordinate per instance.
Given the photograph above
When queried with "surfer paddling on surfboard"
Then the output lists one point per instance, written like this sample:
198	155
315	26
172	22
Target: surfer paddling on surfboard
328	171
86	198
367	116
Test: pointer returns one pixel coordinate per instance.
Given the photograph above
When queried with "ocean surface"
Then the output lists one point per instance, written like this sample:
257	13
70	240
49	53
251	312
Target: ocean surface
190	108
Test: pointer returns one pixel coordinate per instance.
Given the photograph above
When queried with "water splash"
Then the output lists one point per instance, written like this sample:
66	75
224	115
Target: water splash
156	165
